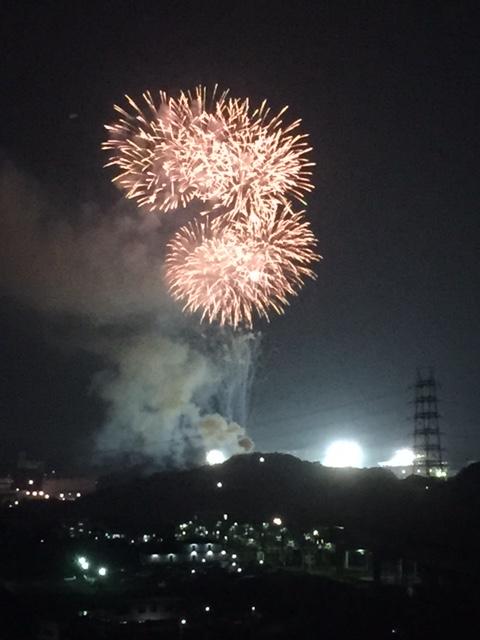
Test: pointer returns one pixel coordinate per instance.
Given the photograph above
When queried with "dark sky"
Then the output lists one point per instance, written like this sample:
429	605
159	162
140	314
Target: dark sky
389	94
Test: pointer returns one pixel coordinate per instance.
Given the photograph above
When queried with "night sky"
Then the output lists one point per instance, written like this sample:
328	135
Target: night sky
389	95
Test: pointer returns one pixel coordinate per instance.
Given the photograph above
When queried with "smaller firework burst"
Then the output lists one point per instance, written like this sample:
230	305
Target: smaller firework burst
150	145
230	271
250	162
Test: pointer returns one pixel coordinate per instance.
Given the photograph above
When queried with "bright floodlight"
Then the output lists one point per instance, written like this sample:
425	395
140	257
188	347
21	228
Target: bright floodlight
215	456
343	453
401	458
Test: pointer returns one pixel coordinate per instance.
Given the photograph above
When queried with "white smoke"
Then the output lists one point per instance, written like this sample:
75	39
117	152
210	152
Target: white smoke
170	391
229	437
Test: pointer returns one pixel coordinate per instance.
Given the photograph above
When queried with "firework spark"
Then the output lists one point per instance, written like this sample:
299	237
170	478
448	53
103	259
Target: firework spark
150	147
250	163
218	150
230	271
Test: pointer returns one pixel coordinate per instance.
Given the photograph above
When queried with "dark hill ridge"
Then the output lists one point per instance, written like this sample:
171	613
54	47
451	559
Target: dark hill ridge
305	494
414	517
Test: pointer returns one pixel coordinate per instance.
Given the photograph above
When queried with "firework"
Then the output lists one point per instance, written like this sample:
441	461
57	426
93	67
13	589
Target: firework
231	270
245	165
149	145
218	150
249	163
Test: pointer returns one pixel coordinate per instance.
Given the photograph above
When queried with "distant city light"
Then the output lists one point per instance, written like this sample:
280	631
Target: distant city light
30	482
261	459
343	453
207	609
219	485
277	521
215	456
225	516
400	458
102	571
83	562
183	621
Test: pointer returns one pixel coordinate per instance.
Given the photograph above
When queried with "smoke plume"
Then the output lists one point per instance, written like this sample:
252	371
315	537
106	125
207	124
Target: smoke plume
172	389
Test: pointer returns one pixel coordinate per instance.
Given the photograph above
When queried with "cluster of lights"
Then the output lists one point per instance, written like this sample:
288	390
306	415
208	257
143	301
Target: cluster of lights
37	494
69	495
246	534
84	564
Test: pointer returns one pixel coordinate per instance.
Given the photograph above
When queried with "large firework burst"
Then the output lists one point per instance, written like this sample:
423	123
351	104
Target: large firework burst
232	270
218	150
